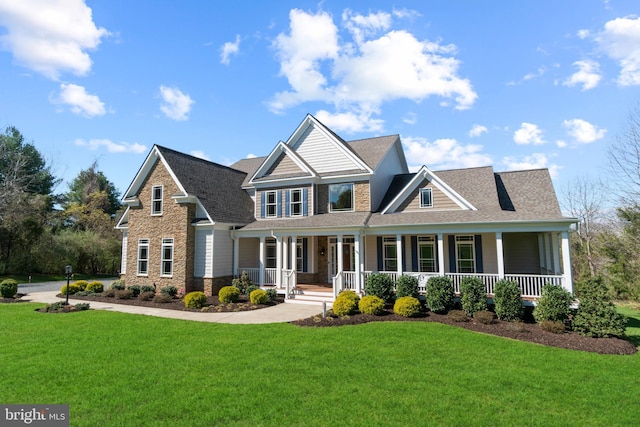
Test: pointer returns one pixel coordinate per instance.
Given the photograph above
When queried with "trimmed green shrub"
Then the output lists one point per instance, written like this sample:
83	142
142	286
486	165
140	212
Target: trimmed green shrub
135	290
118	285
272	294
147	288
242	283
195	299
345	305
380	285
439	294
228	294
258	296
146	296
170	290
473	296
82	284
163	298
349	294
407	286
250	289
407	306
82	306
95	287
554	304
483	316
458	316
73	289
508	300
554	326
371	304
597	316
124	294
8	288
109	293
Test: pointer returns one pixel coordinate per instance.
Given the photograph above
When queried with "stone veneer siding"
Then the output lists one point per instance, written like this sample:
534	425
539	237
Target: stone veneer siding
175	222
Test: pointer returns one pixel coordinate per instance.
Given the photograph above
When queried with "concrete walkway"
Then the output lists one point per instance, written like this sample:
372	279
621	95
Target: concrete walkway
276	314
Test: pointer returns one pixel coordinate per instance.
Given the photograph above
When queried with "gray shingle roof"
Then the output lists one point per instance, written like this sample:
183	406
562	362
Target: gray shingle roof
219	188
372	150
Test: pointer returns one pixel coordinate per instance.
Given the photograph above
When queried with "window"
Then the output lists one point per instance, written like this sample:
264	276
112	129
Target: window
426	198
270	253
156	200
295	202
143	256
167	257
341	197
299	255
389	254
465	254
426	254
271	203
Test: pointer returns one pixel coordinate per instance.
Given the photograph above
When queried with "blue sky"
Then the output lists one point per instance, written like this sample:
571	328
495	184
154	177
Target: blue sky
516	85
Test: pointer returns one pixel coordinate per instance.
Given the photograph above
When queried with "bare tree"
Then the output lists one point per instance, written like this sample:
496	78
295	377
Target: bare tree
624	160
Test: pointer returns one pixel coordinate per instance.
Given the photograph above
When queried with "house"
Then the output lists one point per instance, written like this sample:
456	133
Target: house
318	214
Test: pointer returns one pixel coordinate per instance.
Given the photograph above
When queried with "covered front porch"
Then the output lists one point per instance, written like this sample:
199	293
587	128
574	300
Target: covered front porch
344	260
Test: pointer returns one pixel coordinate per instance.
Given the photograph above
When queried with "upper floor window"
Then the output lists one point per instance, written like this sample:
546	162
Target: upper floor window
341	197
271	203
156	200
143	256
465	254
426	198
295	202
167	257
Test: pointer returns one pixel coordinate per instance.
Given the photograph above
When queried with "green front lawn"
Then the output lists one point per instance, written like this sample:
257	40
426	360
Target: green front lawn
119	369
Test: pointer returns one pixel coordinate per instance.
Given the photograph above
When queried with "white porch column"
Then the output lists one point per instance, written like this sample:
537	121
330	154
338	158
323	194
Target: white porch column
567	281
500	254
555	247
262	261
278	262
399	254
294	255
285	253
548	252
358	266
339	249
236	254
440	254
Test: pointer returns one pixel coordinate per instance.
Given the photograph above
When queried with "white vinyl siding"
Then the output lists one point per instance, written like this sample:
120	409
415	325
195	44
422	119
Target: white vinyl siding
223	249
321	153
203	253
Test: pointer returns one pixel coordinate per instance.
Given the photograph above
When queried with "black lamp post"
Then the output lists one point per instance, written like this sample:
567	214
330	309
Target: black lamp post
67	270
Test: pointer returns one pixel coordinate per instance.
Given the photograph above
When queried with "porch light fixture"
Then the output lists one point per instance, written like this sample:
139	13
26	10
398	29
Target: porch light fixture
67	271
322	251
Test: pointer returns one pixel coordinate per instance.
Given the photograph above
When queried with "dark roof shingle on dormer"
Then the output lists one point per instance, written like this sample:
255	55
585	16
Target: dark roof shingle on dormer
218	187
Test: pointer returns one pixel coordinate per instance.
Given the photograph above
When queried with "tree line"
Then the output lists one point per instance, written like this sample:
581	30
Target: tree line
606	243
41	231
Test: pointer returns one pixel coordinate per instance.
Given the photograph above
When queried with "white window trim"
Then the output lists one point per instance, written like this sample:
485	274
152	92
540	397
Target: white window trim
154	200
466	240
166	242
274	204
425	191
427	241
270	243
389	242
142	243
353	197
291	202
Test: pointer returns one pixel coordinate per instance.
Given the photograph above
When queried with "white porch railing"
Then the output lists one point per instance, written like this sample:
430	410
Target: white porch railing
270	275
531	284
489	280
253	273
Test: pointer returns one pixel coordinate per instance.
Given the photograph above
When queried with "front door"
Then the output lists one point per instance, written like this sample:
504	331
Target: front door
347	255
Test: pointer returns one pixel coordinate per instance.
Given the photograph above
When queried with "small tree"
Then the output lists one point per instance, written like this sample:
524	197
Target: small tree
407	286
473	296
554	304
597	316
439	294
380	285
508	300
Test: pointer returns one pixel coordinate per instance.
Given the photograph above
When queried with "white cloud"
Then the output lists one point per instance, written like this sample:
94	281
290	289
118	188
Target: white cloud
112	147
79	101
251	156
50	36
534	161
528	134
561	143
620	40
228	49
358	77
477	130
583	131
350	122
200	154
443	154
588	75
175	104
583	34
410	118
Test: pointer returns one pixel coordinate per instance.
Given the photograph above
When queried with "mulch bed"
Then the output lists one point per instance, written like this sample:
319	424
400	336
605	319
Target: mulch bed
214	305
522	331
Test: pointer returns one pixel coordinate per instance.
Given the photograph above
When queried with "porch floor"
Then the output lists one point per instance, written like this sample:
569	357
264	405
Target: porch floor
314	287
